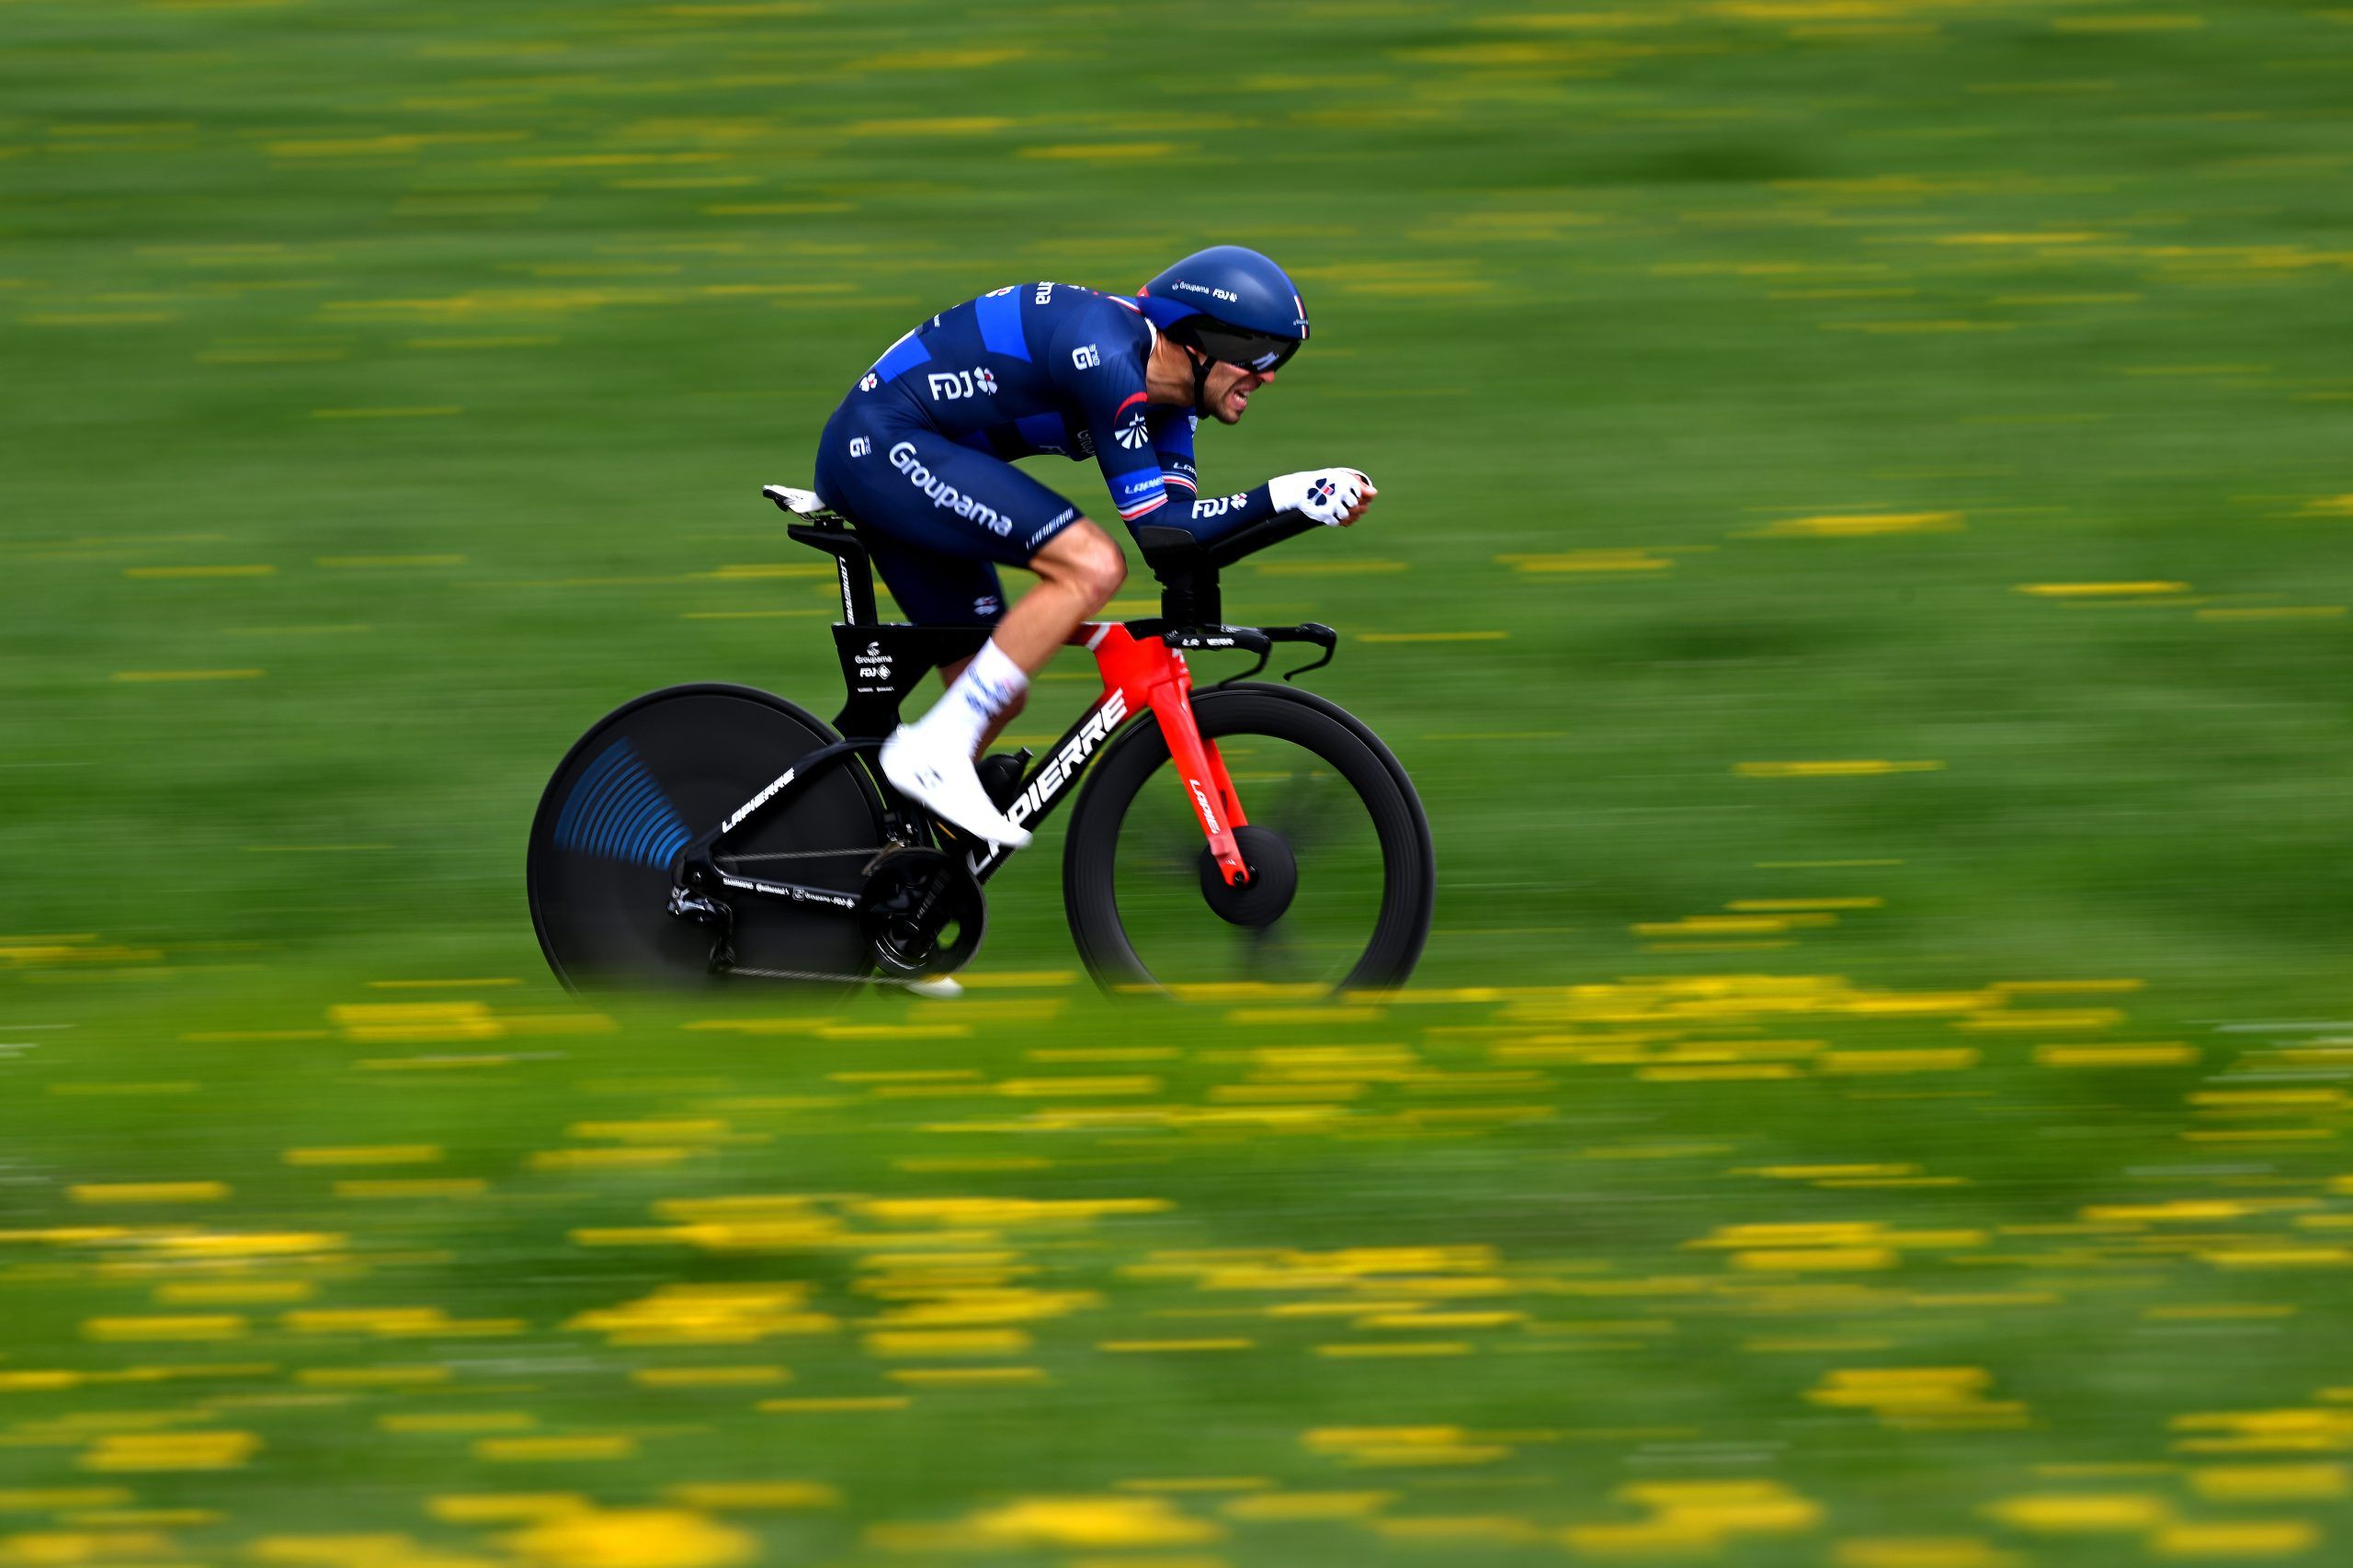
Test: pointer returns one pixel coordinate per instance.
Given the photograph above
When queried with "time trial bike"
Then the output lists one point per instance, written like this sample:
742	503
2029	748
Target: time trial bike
1244	833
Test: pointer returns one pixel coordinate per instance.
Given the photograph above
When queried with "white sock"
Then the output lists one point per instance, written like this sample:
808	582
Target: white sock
990	684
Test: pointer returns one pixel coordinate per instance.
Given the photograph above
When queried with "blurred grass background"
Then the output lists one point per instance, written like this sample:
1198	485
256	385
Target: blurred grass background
1865	488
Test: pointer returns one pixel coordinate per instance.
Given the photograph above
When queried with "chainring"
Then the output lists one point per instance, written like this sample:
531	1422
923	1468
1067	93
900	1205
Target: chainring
913	895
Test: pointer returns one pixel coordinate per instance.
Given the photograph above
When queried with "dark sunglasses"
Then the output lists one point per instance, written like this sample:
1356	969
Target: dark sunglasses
1259	353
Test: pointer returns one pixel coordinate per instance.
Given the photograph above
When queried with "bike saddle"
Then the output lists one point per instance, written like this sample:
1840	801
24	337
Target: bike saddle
804	503
828	530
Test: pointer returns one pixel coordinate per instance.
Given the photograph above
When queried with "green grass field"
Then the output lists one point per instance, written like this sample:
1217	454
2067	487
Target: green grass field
1860	580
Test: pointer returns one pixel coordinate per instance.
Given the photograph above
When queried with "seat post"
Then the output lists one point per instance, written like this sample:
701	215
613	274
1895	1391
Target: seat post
858	589
851	561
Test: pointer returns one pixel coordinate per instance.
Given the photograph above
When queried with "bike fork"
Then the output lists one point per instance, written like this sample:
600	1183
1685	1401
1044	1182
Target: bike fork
1148	668
1208	786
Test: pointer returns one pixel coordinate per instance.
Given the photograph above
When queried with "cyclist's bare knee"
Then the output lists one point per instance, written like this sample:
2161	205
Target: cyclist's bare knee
1082	559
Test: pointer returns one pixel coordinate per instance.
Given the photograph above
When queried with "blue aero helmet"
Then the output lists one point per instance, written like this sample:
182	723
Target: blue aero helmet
1234	305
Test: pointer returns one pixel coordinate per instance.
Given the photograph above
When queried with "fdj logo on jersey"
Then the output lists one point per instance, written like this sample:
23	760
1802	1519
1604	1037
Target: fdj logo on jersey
944	495
950	384
859	446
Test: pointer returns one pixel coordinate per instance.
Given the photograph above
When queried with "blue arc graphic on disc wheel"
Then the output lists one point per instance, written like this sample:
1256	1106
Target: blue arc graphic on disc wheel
617	811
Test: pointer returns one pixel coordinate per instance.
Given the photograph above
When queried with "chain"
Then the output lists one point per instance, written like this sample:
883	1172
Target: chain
835	979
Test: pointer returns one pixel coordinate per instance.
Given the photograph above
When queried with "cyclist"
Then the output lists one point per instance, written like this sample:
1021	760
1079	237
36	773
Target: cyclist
919	454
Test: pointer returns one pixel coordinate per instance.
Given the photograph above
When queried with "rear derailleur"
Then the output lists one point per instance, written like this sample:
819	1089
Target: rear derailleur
707	909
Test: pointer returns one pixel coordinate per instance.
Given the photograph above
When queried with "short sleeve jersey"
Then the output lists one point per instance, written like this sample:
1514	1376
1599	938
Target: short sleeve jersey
1049	368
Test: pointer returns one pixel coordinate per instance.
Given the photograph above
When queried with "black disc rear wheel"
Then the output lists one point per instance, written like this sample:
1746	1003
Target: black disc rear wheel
1341	873
639	788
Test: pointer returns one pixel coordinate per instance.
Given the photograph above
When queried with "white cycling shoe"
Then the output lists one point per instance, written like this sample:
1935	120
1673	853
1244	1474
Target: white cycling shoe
943	779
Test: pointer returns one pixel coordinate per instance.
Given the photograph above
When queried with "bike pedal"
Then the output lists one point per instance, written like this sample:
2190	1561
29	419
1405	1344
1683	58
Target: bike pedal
1001	775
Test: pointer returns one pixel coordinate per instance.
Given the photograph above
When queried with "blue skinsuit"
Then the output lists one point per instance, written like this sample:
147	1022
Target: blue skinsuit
920	452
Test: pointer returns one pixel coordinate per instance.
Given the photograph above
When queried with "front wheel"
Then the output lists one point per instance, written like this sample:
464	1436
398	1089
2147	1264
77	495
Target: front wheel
1343	874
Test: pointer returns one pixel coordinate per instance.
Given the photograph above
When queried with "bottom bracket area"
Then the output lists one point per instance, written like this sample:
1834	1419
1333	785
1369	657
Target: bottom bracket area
922	913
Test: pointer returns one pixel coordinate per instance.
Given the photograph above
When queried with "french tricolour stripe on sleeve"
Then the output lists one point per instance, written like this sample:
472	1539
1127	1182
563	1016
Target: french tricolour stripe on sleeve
1136	494
1183	483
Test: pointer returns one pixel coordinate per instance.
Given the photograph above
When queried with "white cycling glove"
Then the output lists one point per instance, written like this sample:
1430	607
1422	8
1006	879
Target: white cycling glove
1326	495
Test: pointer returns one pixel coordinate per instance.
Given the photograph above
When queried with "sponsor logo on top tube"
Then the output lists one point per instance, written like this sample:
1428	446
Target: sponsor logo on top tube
946	496
1059	767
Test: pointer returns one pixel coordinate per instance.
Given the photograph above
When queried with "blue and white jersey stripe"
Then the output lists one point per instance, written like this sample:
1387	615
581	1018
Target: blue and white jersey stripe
1047	369
999	316
900	358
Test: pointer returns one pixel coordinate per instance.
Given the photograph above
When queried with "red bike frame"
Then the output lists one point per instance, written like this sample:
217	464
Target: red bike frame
1146	673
